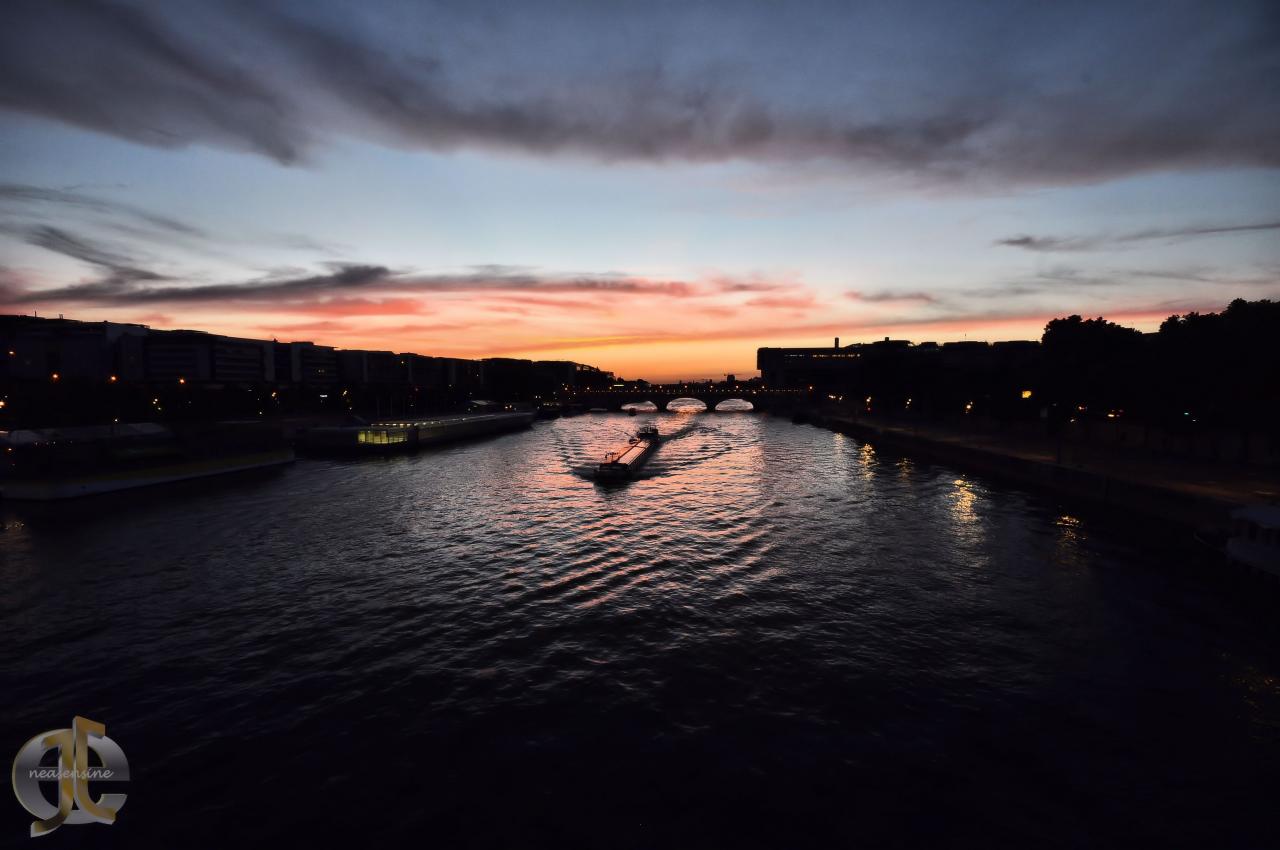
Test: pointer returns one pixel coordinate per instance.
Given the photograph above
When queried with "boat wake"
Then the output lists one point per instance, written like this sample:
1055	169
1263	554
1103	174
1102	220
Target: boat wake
663	463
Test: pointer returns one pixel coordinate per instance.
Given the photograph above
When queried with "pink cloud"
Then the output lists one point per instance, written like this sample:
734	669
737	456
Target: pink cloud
356	307
802	301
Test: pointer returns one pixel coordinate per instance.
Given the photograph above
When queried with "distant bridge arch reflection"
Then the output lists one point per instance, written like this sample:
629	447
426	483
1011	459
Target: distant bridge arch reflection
685	404
661	396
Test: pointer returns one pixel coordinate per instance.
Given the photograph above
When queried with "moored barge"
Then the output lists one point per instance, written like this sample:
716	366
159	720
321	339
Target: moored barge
409	434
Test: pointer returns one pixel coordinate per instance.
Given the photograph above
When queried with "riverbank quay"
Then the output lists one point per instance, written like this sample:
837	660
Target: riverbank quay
1198	495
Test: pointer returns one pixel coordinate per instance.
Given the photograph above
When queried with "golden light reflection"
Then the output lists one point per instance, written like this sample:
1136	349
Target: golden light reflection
866	461
1070	536
963	503
1258	690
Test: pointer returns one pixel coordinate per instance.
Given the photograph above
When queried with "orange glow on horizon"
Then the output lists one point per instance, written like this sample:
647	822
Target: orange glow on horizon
644	342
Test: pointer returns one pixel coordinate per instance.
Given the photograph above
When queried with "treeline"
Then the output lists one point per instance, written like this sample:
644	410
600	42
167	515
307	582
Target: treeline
1206	369
1198	371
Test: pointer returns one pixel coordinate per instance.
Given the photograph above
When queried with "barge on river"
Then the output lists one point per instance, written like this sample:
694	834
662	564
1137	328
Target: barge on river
623	464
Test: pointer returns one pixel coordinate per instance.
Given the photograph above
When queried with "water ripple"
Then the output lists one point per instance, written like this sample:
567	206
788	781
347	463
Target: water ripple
773	619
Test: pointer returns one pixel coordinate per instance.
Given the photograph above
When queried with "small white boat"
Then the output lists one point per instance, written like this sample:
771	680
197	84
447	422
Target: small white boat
1255	537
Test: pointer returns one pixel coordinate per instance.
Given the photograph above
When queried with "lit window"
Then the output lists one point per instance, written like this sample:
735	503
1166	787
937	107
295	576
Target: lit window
382	436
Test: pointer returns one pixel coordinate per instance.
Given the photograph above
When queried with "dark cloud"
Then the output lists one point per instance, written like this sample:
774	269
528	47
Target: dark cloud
1039	243
729	285
124	279
61	242
1103	242
342	279
1261	276
123	289
639	112
16	193
1012	92
43	204
116	68
120	271
301	242
1065	279
891	297
1058	278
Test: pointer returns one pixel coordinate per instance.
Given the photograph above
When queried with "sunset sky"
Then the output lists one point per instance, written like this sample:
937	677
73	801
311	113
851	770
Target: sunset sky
654	188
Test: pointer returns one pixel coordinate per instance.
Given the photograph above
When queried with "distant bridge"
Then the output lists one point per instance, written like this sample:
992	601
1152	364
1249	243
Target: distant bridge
662	395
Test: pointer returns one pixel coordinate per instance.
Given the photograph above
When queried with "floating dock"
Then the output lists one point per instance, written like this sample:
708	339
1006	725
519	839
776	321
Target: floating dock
409	434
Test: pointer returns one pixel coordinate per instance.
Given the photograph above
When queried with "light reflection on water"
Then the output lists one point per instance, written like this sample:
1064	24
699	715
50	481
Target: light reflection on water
775	619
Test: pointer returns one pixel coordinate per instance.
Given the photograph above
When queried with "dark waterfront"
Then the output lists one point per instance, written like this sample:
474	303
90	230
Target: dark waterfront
777	638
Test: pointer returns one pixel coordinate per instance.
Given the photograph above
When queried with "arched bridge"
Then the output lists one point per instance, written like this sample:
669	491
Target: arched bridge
662	395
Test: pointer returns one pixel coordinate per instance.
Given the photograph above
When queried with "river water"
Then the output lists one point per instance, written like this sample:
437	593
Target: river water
778	637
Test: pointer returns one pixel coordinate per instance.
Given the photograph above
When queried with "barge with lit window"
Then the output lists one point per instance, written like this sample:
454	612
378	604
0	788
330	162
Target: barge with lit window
404	435
623	464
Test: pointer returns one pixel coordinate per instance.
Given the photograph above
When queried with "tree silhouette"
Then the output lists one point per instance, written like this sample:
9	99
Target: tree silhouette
1221	367
1090	364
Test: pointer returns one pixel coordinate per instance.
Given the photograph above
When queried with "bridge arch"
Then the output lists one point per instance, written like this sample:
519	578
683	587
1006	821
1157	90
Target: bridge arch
687	404
645	406
735	405
661	395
